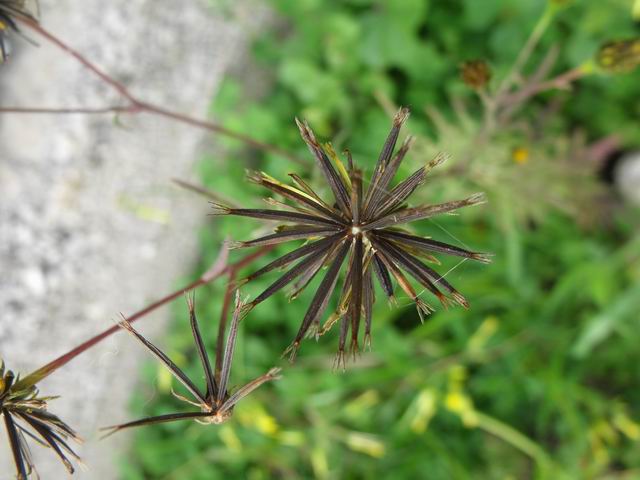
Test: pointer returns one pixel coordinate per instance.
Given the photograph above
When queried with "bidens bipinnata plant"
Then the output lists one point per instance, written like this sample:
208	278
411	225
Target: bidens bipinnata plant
361	224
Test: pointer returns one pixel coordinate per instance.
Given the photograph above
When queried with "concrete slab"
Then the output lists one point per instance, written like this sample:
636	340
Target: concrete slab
89	223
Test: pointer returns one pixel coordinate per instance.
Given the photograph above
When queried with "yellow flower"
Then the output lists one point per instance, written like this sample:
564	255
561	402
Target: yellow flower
367	444
520	155
426	406
461	404
626	425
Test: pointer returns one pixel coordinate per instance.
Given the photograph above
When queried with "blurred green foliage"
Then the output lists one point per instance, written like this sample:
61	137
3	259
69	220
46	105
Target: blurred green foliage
540	378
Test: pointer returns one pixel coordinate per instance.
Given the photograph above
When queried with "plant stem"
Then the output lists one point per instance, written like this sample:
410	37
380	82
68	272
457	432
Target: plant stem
67	111
527	50
515	438
136	105
205	192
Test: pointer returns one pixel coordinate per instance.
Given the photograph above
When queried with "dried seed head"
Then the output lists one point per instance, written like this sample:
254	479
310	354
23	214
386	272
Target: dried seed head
217	403
25	412
621	56
357	231
475	73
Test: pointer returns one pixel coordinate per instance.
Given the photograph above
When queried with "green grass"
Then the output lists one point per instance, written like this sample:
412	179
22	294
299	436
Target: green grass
539	378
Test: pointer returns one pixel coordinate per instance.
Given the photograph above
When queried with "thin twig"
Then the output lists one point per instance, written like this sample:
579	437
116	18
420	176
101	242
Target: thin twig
562	81
511	103
135	105
68	111
205	192
525	53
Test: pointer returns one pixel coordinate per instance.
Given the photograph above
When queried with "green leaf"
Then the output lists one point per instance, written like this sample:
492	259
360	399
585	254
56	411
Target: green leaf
600	327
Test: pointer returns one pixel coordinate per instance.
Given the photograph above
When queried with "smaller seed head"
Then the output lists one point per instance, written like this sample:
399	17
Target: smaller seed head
620	56
475	73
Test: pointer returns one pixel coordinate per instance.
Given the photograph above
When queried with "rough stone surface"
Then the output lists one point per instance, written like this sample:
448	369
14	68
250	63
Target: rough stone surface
627	177
90	224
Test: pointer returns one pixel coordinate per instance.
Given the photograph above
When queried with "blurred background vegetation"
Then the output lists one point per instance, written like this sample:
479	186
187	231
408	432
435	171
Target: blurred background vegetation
540	378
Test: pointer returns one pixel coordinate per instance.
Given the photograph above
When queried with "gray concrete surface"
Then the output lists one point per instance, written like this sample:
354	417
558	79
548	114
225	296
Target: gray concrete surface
89	223
627	177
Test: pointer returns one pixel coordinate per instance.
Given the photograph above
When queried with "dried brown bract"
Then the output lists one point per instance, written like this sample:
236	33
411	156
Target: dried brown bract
25	415
361	224
216	404
475	73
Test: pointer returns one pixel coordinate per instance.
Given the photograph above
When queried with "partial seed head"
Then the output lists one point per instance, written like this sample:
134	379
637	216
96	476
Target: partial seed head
482	257
460	300
400	117
475	73
274	373
219	209
477	199
306	133
218	418
424	309
619	56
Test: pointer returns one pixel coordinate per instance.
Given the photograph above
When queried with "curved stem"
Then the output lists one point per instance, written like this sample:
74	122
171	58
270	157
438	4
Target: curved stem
135	105
527	50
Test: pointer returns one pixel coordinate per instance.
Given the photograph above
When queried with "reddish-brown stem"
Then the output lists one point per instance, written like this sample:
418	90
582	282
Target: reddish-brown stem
68	111
136	105
216	271
212	127
562	81
119	87
200	190
67	357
